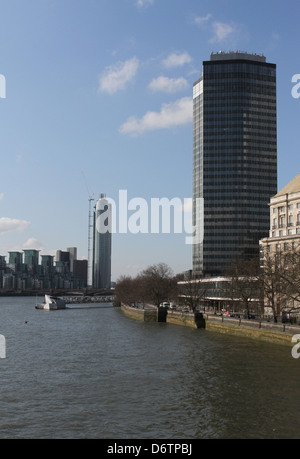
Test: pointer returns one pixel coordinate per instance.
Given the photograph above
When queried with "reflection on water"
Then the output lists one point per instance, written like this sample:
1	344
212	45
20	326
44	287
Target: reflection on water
91	372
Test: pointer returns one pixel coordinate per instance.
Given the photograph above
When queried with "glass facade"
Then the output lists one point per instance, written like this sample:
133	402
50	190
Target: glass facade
31	257
235	157
102	244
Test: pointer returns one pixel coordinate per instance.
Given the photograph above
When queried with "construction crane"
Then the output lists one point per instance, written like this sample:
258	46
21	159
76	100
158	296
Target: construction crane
90	235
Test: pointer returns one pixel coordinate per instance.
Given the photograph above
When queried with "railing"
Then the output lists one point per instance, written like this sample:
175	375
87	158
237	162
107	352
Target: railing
255	323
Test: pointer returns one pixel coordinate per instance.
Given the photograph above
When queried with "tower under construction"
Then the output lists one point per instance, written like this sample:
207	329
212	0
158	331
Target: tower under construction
102	243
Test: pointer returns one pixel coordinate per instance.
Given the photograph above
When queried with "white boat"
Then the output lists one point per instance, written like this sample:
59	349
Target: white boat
52	303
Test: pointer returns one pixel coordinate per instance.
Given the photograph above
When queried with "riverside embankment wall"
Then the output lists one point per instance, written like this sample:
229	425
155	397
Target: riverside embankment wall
259	330
152	314
146	315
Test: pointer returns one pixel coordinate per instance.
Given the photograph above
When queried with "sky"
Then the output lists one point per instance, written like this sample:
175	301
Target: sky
96	97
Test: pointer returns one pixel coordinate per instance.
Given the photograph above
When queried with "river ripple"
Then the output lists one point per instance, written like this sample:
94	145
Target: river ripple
91	372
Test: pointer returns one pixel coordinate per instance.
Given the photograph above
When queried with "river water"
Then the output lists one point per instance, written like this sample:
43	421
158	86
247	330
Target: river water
91	372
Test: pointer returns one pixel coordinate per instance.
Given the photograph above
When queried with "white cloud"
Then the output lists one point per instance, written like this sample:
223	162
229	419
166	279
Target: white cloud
177	60
115	77
173	114
202	20
33	243
221	31
1	196
12	224
142	3
169	85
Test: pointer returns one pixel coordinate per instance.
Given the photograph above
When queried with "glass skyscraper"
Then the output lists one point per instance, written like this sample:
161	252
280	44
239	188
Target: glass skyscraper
102	243
234	157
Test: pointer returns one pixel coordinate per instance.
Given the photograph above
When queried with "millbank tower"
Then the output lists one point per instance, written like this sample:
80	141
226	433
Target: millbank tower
234	157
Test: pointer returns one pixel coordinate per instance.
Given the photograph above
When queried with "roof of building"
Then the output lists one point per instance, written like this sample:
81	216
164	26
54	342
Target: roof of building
229	55
292	187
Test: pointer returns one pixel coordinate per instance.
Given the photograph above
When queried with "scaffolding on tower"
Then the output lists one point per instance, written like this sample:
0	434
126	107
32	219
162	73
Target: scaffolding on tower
90	238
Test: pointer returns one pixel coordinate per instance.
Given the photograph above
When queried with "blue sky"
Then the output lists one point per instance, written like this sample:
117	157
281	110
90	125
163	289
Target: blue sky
98	99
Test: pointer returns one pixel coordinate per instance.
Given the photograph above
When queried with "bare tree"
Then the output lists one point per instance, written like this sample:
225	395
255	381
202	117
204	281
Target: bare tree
154	285
126	290
244	282
192	291
273	282
158	283
290	276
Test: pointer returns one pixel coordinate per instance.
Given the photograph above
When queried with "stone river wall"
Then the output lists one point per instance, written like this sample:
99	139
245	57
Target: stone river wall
260	330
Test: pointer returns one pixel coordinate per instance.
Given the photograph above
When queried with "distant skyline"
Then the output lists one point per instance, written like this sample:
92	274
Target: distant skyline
98	98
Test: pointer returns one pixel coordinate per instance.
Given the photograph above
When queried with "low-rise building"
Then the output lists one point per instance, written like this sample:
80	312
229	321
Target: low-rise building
285	216
280	252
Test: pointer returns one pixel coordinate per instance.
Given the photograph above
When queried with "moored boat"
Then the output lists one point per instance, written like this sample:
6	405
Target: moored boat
52	303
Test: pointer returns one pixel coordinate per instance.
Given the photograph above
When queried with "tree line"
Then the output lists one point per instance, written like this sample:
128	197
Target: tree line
280	280
275	283
273	279
154	285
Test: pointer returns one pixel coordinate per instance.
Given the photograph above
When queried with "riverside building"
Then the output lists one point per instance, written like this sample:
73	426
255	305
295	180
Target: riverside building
234	157
280	252
102	244
23	272
284	233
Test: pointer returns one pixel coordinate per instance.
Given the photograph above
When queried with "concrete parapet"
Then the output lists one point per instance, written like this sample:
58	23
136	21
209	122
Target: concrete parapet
260	330
134	313
264	331
163	315
151	314
186	318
